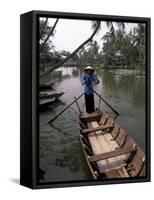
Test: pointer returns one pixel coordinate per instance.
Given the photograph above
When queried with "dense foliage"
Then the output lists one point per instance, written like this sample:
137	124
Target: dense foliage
117	49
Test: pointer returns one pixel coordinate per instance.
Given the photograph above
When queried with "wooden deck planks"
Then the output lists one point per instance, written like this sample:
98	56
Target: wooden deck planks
113	153
99	128
101	144
114	144
105	143
93	139
121	172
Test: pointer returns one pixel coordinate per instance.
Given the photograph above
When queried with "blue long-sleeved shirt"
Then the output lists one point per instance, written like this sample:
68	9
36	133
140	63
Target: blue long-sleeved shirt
90	79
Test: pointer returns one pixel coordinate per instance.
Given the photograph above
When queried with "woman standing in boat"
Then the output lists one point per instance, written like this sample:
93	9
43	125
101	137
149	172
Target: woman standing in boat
89	79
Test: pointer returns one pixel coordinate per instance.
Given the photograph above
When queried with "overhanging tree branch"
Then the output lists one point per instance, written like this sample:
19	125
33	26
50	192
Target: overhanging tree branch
51	32
43	28
74	52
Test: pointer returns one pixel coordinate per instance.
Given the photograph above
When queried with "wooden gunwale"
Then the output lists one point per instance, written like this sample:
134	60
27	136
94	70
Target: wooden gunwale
86	157
46	85
114	135
50	94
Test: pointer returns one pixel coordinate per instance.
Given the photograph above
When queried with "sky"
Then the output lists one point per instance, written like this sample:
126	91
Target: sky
71	33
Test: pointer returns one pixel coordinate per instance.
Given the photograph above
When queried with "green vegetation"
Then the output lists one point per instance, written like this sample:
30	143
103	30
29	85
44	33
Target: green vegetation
117	49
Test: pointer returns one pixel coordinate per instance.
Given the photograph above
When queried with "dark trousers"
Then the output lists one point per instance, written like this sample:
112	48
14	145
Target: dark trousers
89	101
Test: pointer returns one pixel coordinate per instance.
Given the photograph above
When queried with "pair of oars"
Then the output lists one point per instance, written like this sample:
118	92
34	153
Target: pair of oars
79	98
103	100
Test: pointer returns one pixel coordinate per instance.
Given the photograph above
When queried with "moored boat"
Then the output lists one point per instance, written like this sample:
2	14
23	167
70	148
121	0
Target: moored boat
47	85
45	102
109	151
48	97
50	94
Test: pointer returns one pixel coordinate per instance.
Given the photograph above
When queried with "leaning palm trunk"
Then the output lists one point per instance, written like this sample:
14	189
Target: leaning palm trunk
73	53
51	32
45	23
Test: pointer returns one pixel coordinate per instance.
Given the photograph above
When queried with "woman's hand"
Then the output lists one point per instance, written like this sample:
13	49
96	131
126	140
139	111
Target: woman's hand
83	82
97	81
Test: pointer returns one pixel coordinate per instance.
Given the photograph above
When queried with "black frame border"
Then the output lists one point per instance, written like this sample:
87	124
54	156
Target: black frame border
35	184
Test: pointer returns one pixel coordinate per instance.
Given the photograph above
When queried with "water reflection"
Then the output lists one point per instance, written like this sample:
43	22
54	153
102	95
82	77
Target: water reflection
65	73
61	157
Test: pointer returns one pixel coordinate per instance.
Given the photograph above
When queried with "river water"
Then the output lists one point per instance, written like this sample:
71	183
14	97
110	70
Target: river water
61	156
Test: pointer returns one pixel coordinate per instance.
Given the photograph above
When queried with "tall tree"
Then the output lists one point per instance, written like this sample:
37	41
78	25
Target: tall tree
139	43
46	47
125	49
97	26
50	33
117	49
42	27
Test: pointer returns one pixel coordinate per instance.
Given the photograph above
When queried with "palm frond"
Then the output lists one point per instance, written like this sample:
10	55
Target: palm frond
111	27
95	24
121	25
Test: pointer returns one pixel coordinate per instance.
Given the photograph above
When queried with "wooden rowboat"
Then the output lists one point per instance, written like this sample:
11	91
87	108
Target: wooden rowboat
48	97
45	102
46	85
50	94
109	151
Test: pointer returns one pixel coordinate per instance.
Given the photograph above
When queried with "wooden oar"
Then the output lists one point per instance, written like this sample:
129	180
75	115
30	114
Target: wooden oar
66	108
103	100
79	98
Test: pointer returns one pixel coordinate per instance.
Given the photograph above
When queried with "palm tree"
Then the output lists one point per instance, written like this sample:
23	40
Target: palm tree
139	43
49	34
96	26
42	27
45	43
80	55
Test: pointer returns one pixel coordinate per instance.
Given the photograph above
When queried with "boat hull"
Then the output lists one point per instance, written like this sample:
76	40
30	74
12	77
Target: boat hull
109	151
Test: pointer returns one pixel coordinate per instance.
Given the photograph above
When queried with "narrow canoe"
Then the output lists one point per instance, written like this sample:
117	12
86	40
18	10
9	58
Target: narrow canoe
45	102
50	94
109	151
46	85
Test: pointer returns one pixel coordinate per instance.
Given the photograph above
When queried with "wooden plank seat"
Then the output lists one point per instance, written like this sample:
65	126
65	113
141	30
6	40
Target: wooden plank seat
111	154
111	166
99	128
116	173
85	117
102	143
